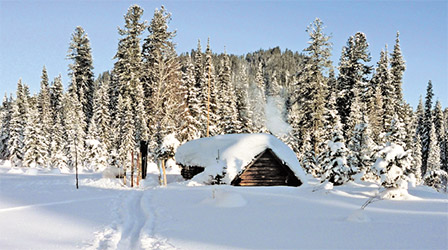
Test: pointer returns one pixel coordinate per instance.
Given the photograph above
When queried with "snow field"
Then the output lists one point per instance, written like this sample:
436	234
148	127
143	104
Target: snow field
45	211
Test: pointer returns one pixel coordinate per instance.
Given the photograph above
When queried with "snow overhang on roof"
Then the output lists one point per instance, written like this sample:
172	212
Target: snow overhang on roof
232	153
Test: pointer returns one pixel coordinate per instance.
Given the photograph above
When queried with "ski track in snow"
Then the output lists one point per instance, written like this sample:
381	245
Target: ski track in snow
133	227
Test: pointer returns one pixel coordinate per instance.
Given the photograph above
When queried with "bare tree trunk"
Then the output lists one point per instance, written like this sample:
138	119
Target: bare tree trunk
76	163
132	168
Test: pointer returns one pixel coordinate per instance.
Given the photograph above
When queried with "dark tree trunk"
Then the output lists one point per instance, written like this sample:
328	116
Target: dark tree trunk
144	154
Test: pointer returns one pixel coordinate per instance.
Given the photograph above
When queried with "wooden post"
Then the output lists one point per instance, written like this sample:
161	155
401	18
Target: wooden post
164	173
132	168
124	177
138	168
159	167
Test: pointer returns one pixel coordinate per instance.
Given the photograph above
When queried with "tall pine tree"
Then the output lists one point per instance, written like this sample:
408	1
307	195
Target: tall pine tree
427	127
353	74
81	69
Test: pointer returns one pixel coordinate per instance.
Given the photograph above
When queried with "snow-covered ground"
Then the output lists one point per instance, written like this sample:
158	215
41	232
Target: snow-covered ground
41	210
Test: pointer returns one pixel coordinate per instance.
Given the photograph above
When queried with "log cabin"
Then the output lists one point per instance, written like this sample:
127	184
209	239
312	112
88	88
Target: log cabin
240	160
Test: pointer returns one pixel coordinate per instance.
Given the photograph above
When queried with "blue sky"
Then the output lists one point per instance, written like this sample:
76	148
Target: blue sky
37	33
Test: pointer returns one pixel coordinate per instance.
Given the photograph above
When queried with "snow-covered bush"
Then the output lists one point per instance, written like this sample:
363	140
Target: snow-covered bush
168	147
393	164
335	167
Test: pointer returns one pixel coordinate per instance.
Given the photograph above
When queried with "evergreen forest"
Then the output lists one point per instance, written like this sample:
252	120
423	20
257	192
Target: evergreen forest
344	120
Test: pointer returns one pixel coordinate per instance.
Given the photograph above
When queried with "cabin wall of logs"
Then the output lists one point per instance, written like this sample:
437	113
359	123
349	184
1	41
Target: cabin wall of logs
266	170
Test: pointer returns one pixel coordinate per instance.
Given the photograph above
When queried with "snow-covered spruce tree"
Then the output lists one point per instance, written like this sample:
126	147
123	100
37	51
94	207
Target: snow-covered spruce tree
439	127
15	143
58	158
98	141
313	83
434	176
45	114
228	112
17	125
335	168
81	69
397	68
353	73
416	167
374	111
330	111
444	149
433	162
356	113
35	146
57	96
362	149
243	103
74	126
126	131
162	87
307	156
427	127
201	87
408	119
190	126
96	154
419	118
383	80
128	73
212	92
101	114
396	132
5	124
393	162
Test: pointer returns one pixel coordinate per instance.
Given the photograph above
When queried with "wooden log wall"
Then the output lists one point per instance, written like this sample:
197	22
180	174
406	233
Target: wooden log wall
267	170
190	172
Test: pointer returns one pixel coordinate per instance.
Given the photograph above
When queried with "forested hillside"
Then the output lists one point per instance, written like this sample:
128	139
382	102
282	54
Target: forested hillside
344	120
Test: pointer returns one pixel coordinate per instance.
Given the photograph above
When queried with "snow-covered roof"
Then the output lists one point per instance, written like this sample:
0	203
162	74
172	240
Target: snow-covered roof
235	152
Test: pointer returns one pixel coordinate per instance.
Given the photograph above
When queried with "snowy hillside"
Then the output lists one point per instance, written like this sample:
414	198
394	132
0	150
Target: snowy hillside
41	210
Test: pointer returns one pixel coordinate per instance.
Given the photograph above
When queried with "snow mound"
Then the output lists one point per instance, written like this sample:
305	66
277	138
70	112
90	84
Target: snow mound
15	171
111	172
152	168
104	183
5	164
395	194
221	198
358	216
232	153
32	171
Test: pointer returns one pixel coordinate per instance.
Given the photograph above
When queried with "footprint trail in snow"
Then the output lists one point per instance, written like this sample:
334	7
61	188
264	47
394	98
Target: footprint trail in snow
133	226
